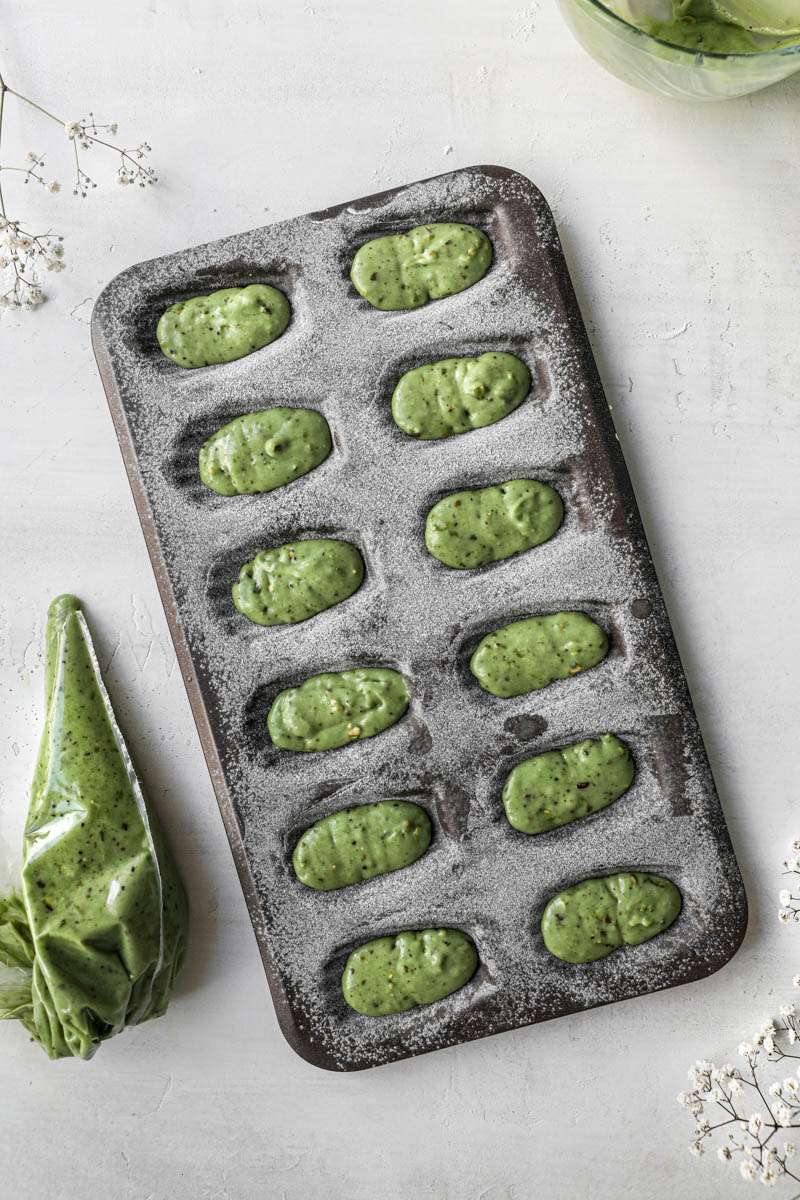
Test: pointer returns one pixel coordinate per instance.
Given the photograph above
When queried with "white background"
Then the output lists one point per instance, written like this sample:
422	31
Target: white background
680	225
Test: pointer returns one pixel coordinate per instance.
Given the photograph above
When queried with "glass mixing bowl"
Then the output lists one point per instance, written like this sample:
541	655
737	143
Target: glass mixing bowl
647	62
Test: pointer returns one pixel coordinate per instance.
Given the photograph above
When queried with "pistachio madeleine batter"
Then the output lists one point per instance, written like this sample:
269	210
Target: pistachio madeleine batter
456	395
530	654
360	843
590	920
261	451
394	974
294	582
406	270
473	528
336	708
560	786
699	25
223	326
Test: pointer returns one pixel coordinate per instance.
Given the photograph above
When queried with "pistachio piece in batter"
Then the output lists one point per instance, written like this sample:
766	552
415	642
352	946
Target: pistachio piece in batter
530	654
226	325
294	582
394	974
261	451
560	786
336	708
406	270
589	920
360	843
473	528
456	395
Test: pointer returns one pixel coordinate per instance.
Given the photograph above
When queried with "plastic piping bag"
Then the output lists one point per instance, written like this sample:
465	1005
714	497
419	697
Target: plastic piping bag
97	934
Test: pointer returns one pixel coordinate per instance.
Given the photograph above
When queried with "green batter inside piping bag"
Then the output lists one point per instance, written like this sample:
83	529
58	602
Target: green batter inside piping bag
95	938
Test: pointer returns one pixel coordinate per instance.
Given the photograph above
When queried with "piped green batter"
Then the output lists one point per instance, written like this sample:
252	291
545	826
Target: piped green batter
224	326
262	451
394	974
697	25
589	920
530	654
360	843
334	709
560	786
406	270
456	395
473	528
294	582
98	934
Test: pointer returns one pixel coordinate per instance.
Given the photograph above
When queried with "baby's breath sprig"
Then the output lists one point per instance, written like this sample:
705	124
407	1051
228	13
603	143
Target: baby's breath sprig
754	1114
790	903
23	253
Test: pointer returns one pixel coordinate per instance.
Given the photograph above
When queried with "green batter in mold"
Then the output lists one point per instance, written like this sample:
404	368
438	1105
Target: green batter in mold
226	325
455	395
406	270
530	654
473	528
699	25
560	786
336	708
360	843
94	941
394	974
294	582
262	451
588	921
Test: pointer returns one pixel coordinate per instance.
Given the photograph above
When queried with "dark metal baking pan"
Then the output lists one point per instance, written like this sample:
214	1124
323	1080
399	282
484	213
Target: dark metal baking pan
455	745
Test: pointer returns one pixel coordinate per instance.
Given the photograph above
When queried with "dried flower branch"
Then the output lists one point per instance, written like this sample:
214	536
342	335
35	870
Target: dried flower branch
754	1114
23	253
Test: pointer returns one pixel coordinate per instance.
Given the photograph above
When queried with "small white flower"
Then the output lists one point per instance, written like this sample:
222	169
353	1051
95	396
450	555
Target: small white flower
775	1089
769	1044
697	1149
4	262
784	916
54	186
113	129
30	157
785	898
787	1010
796	981
769	1178
715	1094
72	129
747	1170
783	1115
789	1149
744	1049
684	1099
4	302
756	1123
736	1087
724	1154
792	1035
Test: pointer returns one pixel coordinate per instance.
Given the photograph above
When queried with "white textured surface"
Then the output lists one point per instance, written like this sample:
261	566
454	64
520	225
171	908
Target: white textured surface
680	227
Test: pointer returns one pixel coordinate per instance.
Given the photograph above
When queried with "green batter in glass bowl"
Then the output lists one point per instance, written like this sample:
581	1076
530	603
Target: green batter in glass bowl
690	49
